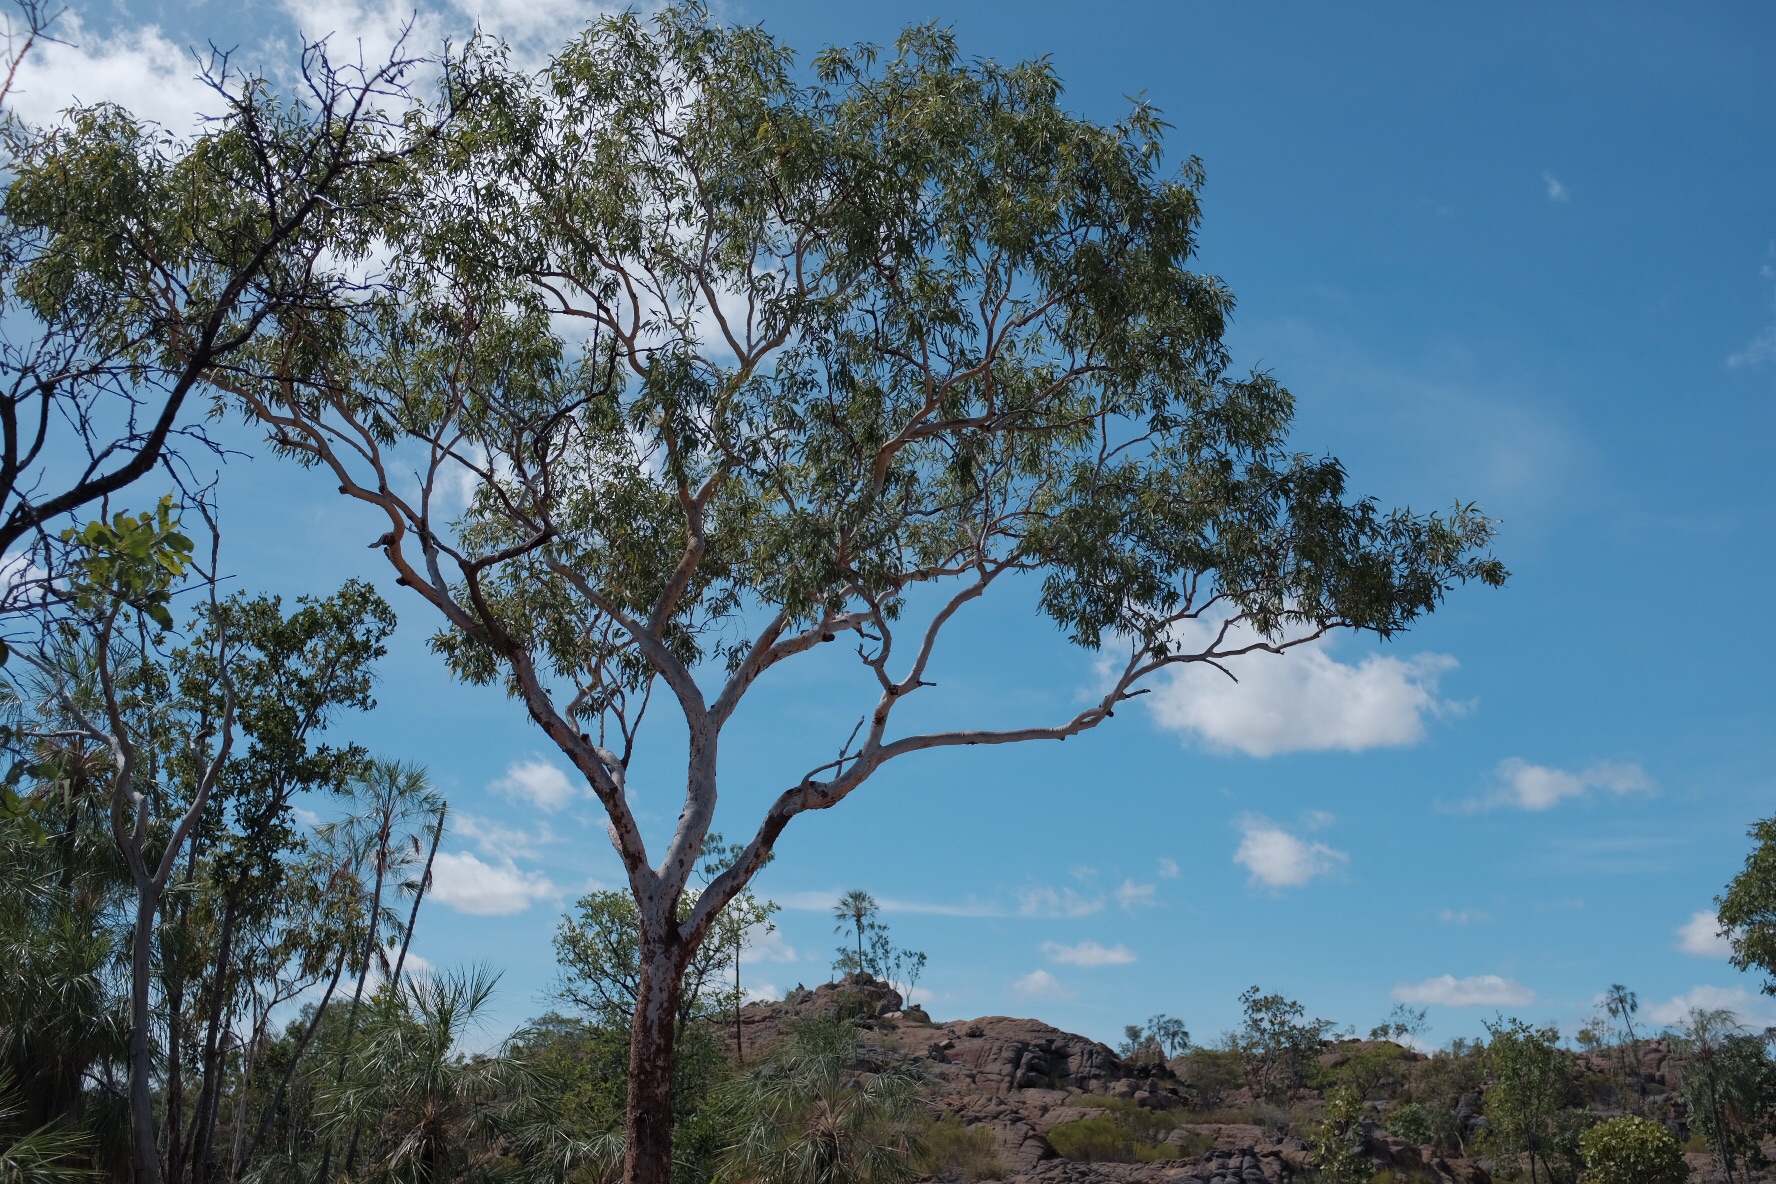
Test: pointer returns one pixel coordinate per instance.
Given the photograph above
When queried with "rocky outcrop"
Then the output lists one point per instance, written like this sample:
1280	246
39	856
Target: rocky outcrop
1021	1078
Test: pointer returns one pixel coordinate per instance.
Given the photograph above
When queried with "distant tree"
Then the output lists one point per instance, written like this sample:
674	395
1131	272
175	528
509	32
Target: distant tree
1403	1025
854	344
1630	1150
1277	1043
1622	1004
598	947
1163	1033
1531	1083
855	912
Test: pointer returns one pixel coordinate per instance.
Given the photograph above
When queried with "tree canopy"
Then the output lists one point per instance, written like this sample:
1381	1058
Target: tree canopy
692	359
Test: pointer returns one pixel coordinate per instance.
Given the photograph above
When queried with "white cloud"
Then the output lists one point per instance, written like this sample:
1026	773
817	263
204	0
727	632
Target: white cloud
1480	990
1539	787
763	993
537	782
1088	953
1130	895
823	900
1701	935
1757	351
468	885
139	68
764	945
1040	984
1303	700
1462	916
1278	859
1751	1009
499	841
1168	869
1555	188
1050	902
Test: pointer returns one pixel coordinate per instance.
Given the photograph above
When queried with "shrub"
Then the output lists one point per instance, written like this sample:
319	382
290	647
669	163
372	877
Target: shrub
950	1149
1630	1150
1099	1138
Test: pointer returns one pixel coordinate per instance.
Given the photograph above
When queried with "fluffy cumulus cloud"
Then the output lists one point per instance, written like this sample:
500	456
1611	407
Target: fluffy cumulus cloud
1040	984
1303	700
1278	859
139	68
499	841
1088	953
537	782
1701	935
768	945
1057	902
1539	787
1747	1007
471	885
1479	990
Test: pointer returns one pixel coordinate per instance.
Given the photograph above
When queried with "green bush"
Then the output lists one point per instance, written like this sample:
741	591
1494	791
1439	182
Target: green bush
950	1149
1099	1138
1631	1150
1127	1133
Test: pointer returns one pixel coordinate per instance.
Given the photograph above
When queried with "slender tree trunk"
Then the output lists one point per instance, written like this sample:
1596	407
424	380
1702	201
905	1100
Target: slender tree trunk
141	1048
351	1016
425	881
283	1087
647	1159
203	1123
739	1052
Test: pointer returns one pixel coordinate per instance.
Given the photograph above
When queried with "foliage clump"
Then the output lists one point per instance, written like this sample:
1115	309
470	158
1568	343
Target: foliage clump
1632	1150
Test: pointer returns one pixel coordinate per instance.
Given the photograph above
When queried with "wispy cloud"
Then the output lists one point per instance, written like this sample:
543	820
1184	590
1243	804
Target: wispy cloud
1131	895
1057	902
469	885
1168	868
538	782
1279	859
1749	1008
1480	990
1701	935
1040	984
1462	916
1541	787
1304	700
1088	953
1762	347
1556	189
821	900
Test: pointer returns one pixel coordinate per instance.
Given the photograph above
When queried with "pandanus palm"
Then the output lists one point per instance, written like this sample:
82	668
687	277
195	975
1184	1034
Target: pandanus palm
431	1113
809	1115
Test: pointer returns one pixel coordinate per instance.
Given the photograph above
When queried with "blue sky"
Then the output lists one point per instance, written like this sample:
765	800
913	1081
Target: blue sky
1521	255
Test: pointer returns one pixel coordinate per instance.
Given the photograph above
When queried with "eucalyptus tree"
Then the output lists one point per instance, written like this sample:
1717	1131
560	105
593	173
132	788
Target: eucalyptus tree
733	359
203	740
